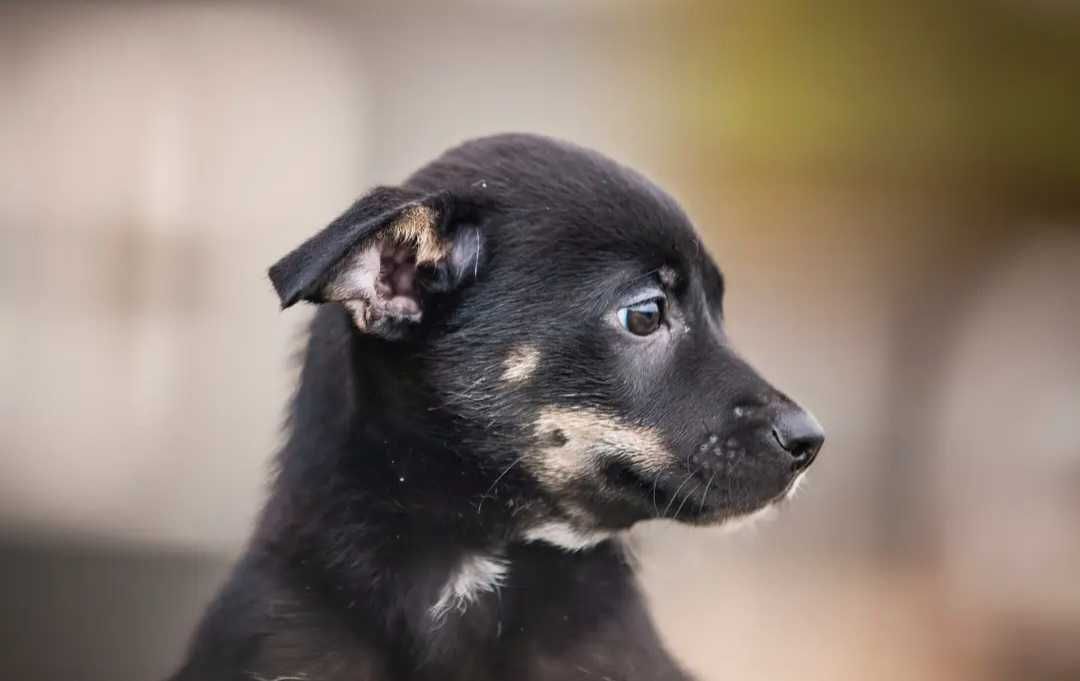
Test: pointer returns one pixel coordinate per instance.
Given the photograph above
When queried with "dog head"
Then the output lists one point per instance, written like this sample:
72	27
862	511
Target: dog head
564	319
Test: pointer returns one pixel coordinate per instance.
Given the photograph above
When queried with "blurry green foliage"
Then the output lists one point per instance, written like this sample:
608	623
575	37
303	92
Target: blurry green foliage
963	91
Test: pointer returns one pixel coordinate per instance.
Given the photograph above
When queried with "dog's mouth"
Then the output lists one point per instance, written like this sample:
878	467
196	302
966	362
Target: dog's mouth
626	478
691	496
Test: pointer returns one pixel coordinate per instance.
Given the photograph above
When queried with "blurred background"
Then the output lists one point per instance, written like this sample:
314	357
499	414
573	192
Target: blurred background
893	189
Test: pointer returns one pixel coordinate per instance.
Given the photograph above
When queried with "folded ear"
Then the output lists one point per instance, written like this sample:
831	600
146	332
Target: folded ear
382	257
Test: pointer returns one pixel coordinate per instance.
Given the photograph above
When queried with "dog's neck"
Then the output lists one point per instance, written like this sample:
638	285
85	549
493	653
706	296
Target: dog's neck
359	468
351	517
364	423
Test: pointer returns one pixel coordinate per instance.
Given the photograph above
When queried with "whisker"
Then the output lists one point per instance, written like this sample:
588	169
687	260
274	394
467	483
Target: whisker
676	494
506	470
679	509
476	261
656	509
706	493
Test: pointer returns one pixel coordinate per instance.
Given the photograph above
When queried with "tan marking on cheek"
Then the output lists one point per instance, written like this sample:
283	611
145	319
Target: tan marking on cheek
573	441
520	364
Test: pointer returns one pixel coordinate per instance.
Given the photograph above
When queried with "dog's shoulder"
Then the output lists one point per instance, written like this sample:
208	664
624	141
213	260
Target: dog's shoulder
266	624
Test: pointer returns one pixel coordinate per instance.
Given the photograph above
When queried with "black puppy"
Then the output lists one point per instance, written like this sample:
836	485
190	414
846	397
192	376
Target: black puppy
521	353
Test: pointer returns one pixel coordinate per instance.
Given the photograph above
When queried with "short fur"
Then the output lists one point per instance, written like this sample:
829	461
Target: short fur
473	429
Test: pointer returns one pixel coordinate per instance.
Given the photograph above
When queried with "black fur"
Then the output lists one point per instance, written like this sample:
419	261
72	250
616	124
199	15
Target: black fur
412	448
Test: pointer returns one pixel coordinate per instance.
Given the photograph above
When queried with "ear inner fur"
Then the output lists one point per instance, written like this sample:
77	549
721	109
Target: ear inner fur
302	274
418	226
376	280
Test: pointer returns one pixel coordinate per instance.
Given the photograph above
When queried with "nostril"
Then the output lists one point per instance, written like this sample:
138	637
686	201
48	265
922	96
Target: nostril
802	450
779	439
798	433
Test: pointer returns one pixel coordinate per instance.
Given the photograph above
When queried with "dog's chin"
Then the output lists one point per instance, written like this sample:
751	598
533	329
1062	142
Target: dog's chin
583	525
695	500
741	515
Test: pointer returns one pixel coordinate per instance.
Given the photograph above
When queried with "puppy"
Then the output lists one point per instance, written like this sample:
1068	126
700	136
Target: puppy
519	353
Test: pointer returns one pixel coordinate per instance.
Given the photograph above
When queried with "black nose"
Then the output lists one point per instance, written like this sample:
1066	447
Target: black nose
800	434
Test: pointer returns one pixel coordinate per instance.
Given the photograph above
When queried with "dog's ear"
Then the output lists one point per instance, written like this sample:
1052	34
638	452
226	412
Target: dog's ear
383	258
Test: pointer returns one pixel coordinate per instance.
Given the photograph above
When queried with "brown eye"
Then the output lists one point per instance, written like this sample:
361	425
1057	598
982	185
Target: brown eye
641	319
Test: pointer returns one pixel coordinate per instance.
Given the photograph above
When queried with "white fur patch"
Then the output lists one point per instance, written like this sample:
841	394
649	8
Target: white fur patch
794	489
477	574
520	364
749	520
565	536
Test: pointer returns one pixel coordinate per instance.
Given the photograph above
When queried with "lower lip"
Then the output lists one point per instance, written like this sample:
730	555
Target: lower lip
626	476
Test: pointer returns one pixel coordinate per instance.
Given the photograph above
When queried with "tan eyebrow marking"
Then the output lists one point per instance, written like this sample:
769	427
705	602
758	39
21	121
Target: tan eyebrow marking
520	364
667	276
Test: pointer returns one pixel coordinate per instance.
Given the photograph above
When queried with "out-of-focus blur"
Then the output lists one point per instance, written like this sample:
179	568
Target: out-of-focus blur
892	189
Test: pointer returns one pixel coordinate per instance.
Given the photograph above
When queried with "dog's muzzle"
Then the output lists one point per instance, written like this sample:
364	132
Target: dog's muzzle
762	450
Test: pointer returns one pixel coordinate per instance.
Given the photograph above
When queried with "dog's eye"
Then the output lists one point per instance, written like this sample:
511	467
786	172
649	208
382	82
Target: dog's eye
642	318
